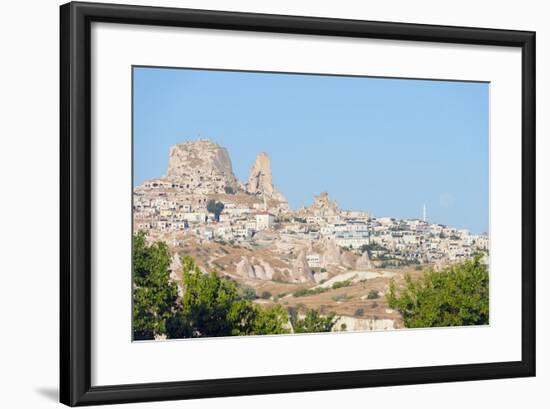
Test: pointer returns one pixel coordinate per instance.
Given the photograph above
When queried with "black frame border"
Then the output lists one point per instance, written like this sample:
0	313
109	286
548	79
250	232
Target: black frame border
75	203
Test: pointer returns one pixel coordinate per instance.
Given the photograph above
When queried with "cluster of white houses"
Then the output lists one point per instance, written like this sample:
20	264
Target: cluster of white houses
388	240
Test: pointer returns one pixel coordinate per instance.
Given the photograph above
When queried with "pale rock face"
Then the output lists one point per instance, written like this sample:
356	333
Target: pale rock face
268	270
258	269
300	269
323	206
356	324
245	269
363	262
318	277
347	260
259	272
331	254
201	163
260	181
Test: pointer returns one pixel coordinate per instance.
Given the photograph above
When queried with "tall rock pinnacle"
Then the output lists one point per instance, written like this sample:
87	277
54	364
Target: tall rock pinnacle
260	181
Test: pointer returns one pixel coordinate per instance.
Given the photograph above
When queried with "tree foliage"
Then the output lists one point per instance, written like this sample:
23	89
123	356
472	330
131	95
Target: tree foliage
215	207
154	294
456	296
213	306
209	305
313	322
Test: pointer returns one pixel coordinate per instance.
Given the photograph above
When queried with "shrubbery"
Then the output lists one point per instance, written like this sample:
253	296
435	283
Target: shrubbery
373	295
266	295
309	291
313	322
341	284
456	296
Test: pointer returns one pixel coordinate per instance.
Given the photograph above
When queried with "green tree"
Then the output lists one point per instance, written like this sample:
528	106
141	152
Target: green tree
154	293
247	293
456	296
215	207
206	301
251	319
313	322
214	306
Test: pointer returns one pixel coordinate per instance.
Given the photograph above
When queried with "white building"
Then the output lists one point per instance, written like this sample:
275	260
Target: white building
314	260
264	220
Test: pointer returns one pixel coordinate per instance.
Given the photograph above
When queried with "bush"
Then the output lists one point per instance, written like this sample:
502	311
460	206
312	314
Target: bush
342	297
456	296
373	295
312	322
341	284
359	312
229	190
248	293
266	295
309	291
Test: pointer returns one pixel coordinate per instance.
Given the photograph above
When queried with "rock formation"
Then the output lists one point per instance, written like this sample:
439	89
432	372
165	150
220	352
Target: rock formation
331	255
347	259
245	269
363	262
323	206
260	181
300	271
253	268
201	165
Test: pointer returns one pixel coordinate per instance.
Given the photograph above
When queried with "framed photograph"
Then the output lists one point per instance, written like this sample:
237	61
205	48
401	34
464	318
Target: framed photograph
257	204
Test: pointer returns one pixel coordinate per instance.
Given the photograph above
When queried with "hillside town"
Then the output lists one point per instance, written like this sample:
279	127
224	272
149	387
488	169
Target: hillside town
248	232
179	203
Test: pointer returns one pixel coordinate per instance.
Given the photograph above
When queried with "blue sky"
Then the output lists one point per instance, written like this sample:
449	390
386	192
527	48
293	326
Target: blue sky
382	145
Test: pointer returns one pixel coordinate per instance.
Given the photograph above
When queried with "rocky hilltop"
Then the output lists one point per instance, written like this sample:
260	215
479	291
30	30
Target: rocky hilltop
201	163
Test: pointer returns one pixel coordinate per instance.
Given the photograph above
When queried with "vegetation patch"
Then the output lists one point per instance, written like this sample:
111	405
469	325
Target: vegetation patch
456	296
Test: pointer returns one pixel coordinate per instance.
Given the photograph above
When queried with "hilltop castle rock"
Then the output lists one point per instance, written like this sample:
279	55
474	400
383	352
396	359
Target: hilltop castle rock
201	164
260	181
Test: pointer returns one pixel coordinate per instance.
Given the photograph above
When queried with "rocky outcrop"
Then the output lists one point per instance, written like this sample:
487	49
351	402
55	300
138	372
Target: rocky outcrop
347	259
260	181
331	255
300	271
245	269
201	165
355	324
267	270
363	262
256	269
323	206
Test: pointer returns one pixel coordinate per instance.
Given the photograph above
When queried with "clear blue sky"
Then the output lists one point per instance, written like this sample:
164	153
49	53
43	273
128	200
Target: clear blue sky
382	145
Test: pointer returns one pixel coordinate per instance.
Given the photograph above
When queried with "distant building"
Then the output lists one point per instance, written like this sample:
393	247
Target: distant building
314	261
264	220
